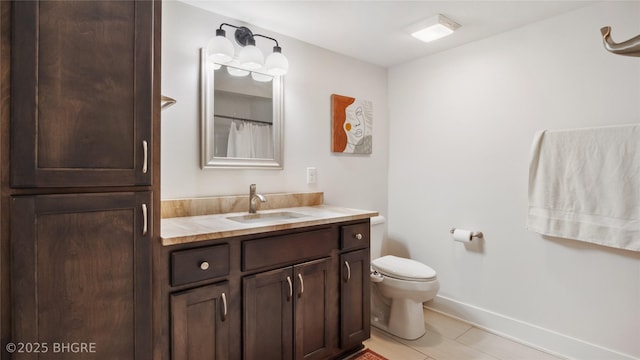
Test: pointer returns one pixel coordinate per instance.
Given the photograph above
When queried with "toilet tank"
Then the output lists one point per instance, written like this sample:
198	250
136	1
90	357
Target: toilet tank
376	236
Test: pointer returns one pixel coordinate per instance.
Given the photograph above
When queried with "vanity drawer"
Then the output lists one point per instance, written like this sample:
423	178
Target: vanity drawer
354	236
193	265
287	249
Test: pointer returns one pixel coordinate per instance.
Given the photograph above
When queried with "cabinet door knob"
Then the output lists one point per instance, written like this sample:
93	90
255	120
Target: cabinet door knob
358	236
204	265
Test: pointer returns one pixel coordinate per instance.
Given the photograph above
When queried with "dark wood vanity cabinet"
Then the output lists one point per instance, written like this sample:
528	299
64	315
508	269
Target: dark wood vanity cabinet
355	304
312	310
355	284
286	312
268	315
289	295
201	316
200	325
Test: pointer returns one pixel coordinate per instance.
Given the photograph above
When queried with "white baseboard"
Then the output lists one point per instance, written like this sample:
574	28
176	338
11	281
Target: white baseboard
529	334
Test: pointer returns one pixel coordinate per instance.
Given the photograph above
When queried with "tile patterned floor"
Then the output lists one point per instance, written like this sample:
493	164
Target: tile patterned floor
451	339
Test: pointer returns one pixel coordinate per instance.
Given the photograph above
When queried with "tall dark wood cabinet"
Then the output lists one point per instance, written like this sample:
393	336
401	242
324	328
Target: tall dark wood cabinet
80	177
81	81
81	272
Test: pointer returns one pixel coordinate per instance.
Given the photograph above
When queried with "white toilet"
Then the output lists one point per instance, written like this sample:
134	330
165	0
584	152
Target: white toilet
399	287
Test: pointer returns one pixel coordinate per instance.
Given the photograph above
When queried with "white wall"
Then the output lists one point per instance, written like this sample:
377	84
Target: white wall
462	123
315	73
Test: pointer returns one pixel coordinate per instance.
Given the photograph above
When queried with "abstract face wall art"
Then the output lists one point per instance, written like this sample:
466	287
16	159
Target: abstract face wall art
352	124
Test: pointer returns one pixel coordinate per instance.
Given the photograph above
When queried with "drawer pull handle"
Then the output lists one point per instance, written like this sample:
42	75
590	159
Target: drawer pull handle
358	236
144	154
144	219
290	288
204	265
224	307
346	263
301	285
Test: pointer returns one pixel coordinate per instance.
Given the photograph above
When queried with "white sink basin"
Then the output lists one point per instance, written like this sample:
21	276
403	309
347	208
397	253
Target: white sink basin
266	217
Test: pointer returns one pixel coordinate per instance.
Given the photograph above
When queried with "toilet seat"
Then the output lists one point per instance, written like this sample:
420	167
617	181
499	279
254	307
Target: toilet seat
403	269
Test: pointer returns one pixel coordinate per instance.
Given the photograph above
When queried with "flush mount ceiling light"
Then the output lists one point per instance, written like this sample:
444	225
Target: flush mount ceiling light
433	28
220	50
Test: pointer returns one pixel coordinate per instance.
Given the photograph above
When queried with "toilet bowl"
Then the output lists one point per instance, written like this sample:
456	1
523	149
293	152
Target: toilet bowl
406	284
399	287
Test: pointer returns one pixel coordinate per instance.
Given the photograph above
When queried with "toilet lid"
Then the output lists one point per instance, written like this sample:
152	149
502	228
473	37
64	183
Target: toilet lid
401	268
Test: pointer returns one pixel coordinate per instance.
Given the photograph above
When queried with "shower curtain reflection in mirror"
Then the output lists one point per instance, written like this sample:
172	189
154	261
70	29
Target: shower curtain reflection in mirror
243	139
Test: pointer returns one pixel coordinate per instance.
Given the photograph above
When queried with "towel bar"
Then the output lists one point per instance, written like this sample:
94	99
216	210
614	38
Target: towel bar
630	47
165	102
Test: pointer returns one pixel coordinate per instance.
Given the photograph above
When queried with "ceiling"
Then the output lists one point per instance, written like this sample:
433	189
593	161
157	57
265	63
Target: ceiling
374	31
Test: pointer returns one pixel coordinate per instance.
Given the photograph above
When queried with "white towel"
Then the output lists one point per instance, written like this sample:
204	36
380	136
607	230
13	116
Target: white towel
584	184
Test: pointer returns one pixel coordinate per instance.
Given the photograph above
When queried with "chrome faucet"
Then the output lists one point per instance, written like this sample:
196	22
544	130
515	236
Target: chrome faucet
252	198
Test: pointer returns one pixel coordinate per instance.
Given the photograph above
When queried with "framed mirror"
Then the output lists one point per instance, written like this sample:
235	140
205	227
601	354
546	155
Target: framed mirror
241	117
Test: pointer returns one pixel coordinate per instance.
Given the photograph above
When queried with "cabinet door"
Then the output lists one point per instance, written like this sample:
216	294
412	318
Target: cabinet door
312	309
199	326
355	303
81	273
81	93
268	315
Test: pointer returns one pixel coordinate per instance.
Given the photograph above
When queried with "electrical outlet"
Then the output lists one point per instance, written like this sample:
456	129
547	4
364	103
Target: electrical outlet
311	175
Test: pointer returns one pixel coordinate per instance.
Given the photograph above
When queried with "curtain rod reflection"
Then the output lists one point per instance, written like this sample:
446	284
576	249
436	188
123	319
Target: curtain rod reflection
242	119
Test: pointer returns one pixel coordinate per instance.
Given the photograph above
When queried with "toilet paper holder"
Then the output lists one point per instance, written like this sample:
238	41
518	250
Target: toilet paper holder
474	234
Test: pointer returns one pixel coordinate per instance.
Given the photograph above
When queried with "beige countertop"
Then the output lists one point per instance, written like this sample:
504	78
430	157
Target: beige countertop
181	230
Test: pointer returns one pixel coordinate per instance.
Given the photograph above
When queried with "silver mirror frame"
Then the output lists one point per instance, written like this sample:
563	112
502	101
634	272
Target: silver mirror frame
208	160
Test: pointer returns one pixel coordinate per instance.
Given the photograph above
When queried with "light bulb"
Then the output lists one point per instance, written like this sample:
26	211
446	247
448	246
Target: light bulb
250	56
219	49
261	77
276	63
237	72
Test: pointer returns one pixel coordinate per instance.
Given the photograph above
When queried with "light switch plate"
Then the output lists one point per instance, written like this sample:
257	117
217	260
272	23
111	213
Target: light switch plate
311	175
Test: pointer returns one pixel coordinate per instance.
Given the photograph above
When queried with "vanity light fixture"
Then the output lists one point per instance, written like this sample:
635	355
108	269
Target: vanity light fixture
220	50
433	28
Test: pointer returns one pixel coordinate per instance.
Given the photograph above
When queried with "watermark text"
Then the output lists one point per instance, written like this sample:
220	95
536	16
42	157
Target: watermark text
54	348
